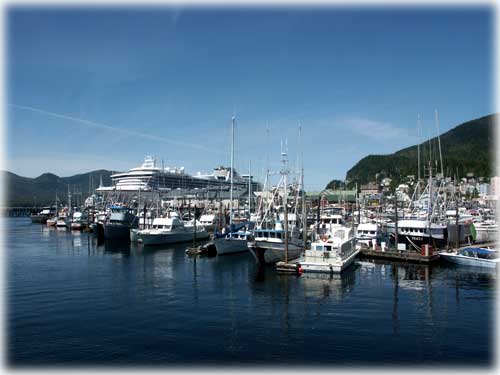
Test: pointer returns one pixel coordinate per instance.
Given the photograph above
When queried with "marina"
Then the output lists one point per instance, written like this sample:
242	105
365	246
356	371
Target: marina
250	188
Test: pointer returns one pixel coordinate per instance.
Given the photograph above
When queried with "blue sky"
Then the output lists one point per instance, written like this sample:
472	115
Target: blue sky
92	88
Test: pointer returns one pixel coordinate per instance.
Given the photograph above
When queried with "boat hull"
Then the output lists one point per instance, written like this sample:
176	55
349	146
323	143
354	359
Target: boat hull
164	239
116	232
230	245
468	261
416	242
327	265
39	219
271	253
486	234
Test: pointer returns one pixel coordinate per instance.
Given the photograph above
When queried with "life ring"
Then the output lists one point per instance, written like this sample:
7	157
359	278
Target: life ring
324	238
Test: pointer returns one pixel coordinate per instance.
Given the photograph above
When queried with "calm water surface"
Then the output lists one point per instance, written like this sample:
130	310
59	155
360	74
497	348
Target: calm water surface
73	302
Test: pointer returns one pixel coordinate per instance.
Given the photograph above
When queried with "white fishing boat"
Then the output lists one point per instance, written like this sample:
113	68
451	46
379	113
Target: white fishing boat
168	230
42	216
366	233
79	220
143	224
279	236
331	253
210	221
473	256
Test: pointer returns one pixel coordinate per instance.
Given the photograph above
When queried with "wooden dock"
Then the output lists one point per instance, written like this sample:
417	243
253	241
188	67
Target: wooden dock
402	255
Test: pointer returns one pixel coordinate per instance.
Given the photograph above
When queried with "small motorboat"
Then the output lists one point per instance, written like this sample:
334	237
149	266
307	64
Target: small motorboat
473	256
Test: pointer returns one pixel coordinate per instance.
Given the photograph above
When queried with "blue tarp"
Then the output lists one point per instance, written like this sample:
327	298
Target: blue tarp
233	228
480	250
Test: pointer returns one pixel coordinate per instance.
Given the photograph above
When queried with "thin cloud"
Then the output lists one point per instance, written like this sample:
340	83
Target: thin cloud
102	126
374	129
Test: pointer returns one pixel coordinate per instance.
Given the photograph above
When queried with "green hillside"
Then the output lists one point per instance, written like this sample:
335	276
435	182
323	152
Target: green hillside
467	148
25	191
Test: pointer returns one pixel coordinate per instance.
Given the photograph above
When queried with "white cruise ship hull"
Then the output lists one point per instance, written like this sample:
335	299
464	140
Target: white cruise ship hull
230	245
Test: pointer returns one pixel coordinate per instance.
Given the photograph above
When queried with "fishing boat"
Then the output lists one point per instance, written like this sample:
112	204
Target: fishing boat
413	233
118	226
473	256
281	238
210	221
168	230
234	240
79	220
42	216
97	226
332	252
269	244
366	233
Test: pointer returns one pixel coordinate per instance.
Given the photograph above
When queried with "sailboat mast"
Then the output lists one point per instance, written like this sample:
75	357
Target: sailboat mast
231	172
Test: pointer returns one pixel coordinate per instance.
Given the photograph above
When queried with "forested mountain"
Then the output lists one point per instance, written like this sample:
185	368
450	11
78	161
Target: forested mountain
26	191
467	148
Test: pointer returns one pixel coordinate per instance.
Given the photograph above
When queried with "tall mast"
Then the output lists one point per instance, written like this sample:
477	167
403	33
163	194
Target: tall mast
231	172
284	172
249	187
439	141
418	153
303	193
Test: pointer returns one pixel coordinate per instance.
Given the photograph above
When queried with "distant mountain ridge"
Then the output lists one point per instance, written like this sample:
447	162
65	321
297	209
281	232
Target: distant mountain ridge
469	147
25	191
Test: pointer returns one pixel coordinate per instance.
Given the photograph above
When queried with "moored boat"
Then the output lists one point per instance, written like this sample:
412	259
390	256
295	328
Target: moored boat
118	226
42	216
473	256
170	230
331	253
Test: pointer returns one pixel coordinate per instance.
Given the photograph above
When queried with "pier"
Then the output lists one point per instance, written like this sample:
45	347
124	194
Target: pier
400	255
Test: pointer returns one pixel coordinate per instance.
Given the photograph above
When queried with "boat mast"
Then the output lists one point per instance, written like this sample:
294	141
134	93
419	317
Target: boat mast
249	187
303	193
429	214
418	155
231	172
285	198
436	116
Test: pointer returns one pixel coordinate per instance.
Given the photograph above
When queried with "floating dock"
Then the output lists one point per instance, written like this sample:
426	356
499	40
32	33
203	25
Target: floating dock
401	255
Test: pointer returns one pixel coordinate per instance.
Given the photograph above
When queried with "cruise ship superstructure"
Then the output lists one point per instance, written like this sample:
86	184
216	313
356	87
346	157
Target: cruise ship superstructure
151	177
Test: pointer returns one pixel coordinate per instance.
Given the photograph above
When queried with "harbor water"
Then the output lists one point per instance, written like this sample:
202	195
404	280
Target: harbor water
72	301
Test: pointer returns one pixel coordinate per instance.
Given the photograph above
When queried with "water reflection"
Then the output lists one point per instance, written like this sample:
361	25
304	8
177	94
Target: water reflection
324	286
117	246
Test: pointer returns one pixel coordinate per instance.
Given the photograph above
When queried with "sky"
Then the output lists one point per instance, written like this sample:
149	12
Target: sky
101	88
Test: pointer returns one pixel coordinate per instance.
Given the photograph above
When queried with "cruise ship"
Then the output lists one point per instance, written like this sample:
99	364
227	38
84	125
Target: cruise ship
151	177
